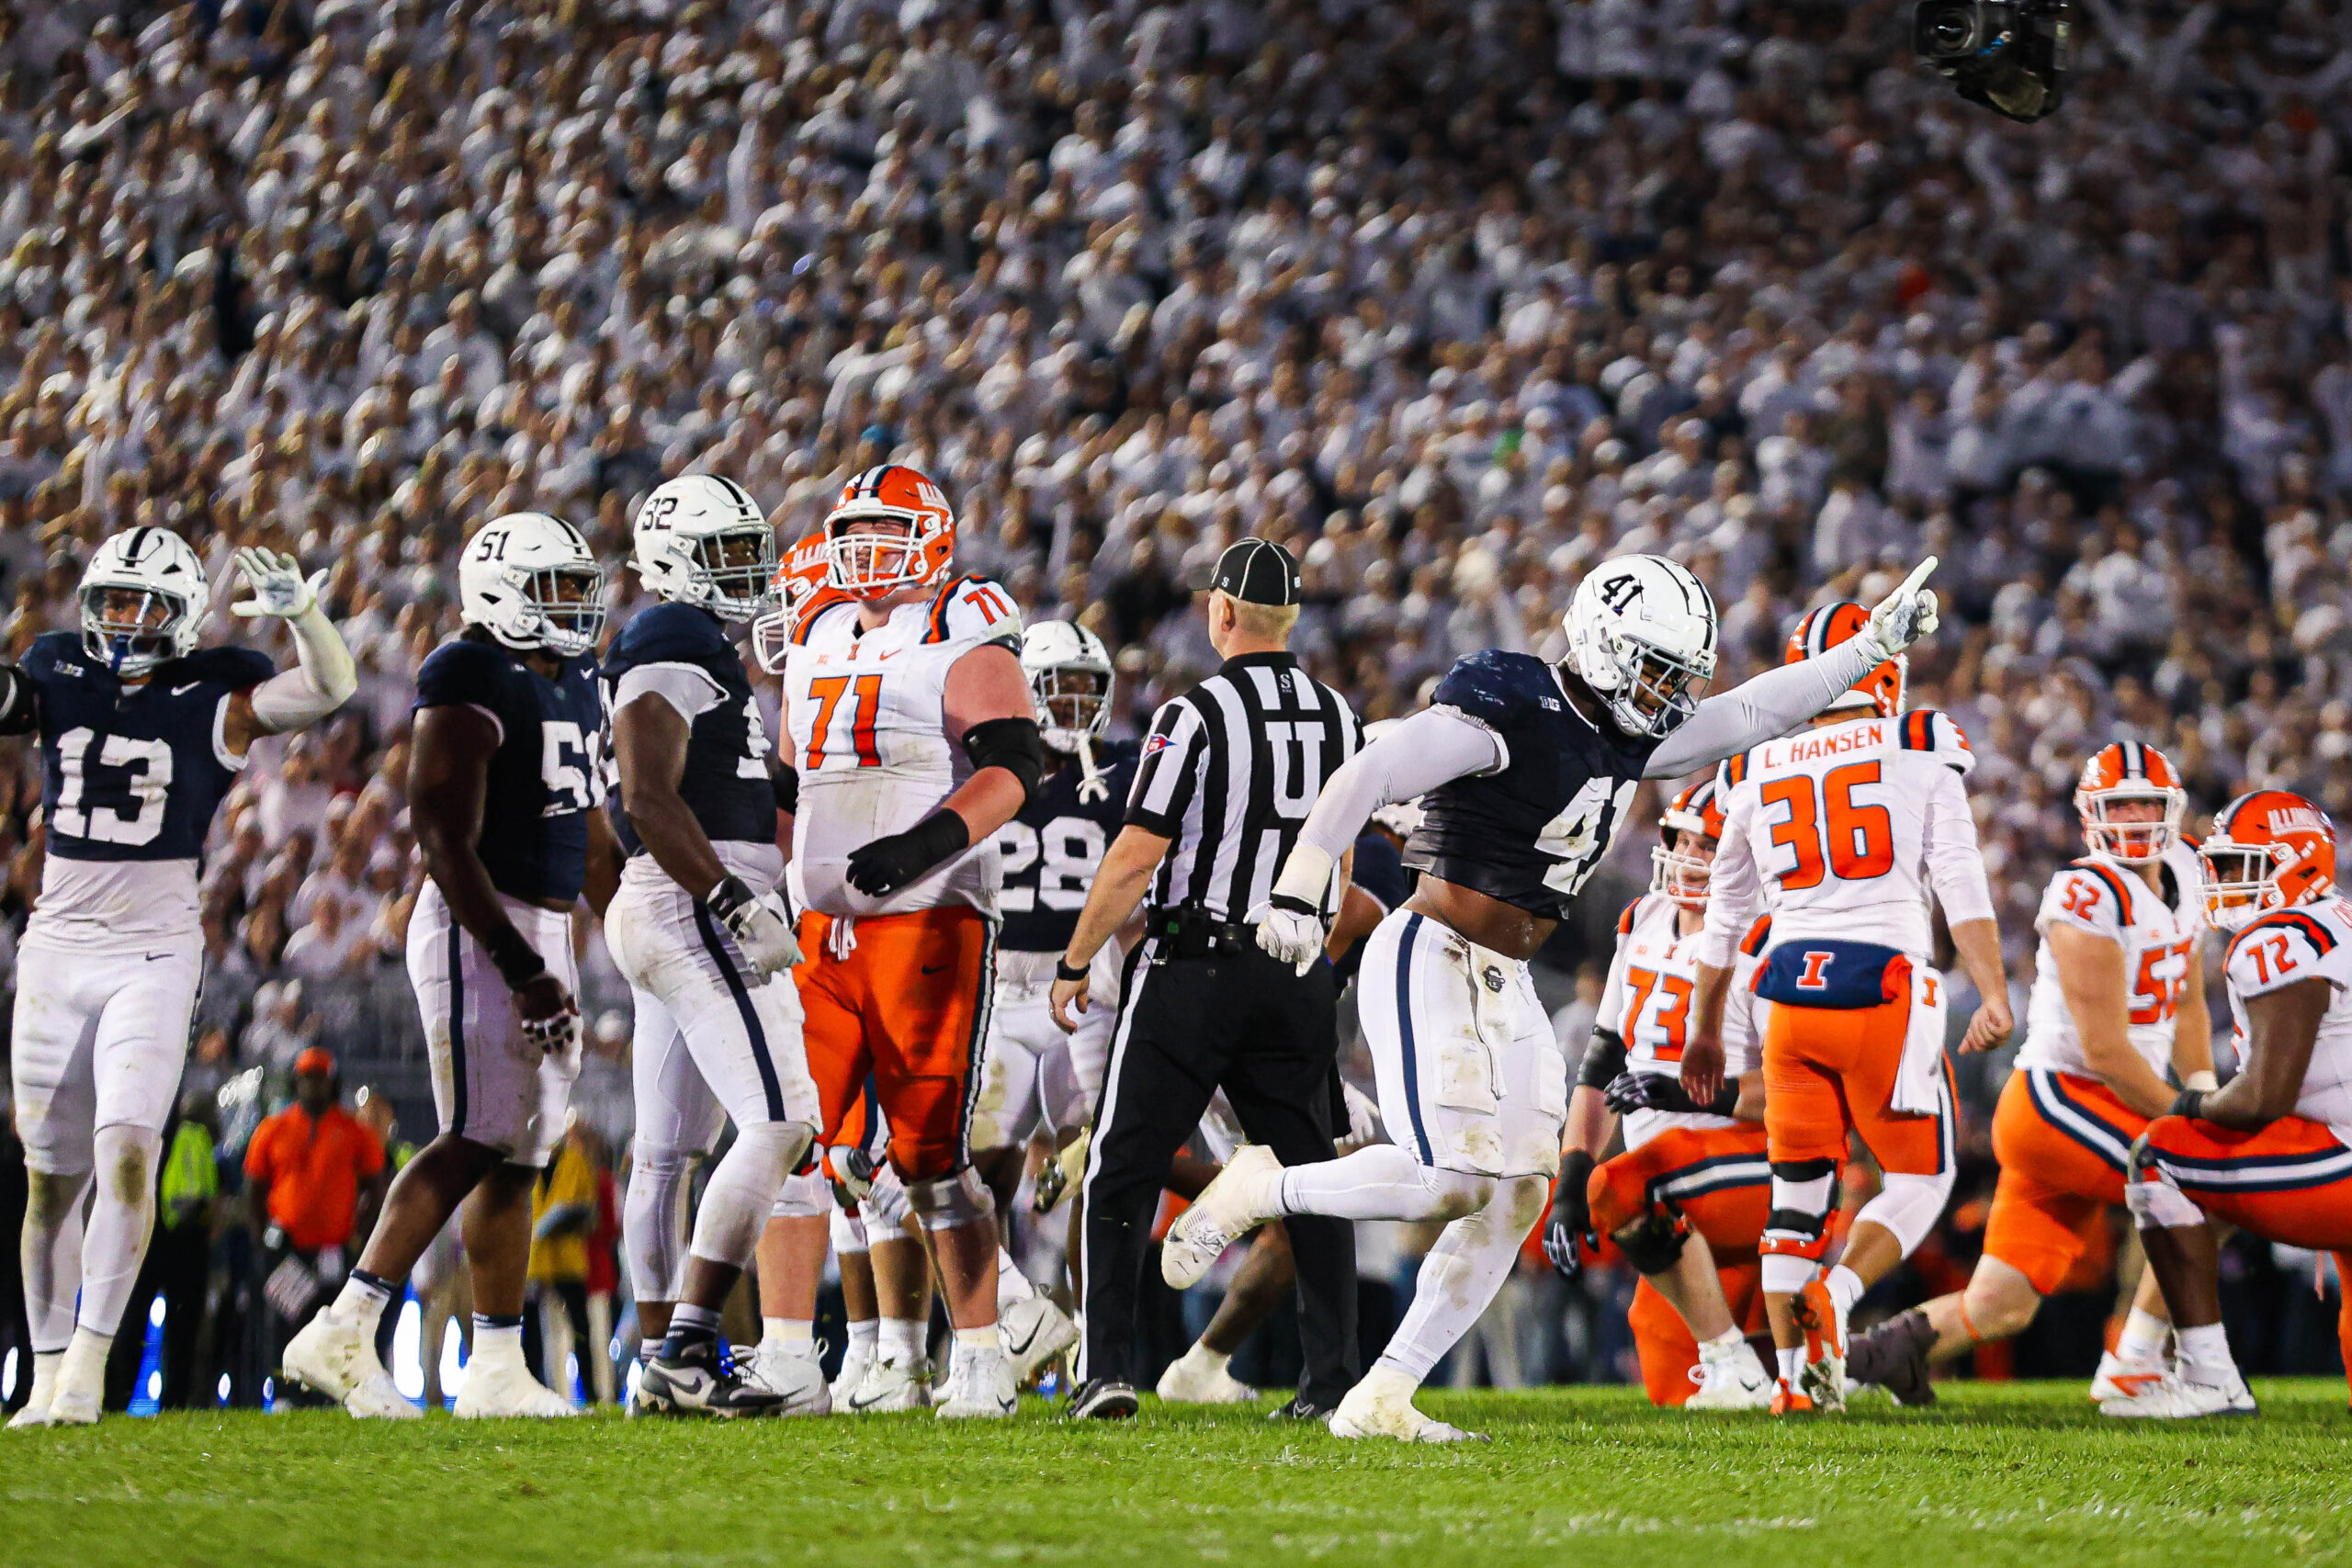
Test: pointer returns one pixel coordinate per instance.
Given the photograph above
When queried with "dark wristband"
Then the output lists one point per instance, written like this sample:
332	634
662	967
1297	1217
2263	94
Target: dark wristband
1726	1100
786	783
937	836
1295	905
1576	1166
1064	971
518	963
2190	1102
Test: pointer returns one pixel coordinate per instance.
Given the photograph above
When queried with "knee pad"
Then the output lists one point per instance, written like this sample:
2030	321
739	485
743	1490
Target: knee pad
2157	1204
1804	1192
1909	1206
54	1196
849	1233
125	1154
1785	1274
653	1226
946	1202
802	1197
1654	1242
775	1148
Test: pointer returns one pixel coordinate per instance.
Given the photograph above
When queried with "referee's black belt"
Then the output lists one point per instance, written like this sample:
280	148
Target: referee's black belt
1187	930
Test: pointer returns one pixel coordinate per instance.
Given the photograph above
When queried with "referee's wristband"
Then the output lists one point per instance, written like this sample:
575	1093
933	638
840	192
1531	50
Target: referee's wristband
517	962
1065	970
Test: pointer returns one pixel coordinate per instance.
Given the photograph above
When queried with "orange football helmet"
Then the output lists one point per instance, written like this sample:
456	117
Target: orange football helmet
890	529
801	582
2125	771
1674	872
1879	690
2268	850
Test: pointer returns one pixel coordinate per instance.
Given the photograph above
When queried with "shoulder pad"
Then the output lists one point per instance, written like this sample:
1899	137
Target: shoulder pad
41	658
1731	775
973	609
1929	730
2283	947
814	611
1495	687
461	671
665	633
1758	935
234	668
1633	912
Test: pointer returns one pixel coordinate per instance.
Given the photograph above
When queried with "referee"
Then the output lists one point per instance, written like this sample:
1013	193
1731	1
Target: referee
1228	774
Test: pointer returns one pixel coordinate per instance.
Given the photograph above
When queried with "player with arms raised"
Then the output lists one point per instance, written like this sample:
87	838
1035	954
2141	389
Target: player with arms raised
2119	995
141	734
915	739
505	778
1526	770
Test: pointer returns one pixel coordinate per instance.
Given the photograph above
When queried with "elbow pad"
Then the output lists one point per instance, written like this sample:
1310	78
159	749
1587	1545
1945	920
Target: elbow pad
1603	1060
19	701
785	781
1012	744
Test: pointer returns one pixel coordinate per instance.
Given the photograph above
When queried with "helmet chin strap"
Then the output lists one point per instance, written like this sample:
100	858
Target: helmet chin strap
1092	784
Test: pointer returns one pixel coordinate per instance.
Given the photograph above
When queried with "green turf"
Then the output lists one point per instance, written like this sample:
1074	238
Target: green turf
2020	1473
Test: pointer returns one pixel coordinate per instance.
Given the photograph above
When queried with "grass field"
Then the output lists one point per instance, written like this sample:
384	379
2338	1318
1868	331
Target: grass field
1994	1474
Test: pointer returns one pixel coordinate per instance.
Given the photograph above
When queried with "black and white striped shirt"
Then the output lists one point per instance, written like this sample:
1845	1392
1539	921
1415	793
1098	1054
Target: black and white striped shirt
1230	773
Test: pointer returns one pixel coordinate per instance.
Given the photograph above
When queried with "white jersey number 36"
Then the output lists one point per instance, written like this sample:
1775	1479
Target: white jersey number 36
1580	834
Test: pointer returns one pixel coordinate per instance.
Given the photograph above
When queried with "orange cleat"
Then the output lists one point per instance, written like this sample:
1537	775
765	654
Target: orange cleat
1816	1312
1787	1401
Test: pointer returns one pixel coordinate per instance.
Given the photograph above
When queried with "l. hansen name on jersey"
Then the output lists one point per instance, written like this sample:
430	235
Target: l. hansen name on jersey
725	781
549	770
1049	853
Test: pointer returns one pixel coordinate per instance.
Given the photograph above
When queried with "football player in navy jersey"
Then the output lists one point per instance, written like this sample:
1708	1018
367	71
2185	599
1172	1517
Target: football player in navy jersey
506	775
701	933
1036	1077
1525	770
141	734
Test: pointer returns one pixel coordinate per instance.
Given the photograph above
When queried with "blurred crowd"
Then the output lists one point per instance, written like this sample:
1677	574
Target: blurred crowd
1454	298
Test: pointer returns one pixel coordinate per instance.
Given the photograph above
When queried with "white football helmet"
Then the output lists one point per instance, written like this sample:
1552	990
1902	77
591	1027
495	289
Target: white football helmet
531	581
703	540
1069	682
1641	634
143	601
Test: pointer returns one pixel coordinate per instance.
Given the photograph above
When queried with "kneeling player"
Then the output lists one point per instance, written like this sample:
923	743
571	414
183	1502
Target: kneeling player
2118	994
1686	1201
2271	1151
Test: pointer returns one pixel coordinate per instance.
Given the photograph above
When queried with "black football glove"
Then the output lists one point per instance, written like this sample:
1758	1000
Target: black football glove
1571	1217
889	863
1629	1091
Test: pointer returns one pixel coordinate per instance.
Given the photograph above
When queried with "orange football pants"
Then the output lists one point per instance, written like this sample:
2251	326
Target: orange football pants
1717	1178
1829	1070
907	1005
2060	1141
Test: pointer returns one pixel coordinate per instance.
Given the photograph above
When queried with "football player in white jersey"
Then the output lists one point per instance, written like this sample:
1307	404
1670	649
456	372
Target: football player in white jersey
700	929
141	734
1841	828
2272	1151
2118	998
914	739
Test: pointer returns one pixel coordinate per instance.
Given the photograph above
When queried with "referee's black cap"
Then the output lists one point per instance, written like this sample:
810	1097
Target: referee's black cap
1256	572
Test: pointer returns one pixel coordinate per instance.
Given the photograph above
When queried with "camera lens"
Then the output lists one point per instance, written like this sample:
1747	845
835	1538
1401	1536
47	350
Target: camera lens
1950	30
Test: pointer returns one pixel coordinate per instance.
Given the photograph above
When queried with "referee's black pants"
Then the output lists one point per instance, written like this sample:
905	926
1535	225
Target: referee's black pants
1244	1023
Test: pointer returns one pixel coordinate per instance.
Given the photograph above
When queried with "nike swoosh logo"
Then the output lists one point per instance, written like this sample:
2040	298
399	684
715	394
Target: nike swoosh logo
857	1403
1022	1348
892	654
932	968
184	690
157	957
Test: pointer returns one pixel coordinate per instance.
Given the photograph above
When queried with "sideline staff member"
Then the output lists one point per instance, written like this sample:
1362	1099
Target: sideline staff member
1228	774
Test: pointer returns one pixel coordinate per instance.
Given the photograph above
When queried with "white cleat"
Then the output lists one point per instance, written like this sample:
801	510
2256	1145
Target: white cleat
378	1398
1244	1196
2120	1379
2176	1398
1033	1331
1192	1379
508	1388
34	1414
1382	1407
792	1371
979	1386
890	1386
36	1411
332	1356
80	1394
854	1366
1734	1381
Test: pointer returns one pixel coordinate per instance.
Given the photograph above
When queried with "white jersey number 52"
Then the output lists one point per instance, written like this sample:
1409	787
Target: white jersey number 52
1578	835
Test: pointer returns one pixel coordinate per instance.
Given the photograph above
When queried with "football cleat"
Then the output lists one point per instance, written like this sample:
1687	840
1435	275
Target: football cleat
2175	1398
36	1410
1787	1401
35	1414
855	1364
1382	1407
2120	1379
80	1394
1824	1321
1241	1198
378	1398
1300	1409
1192	1380
1104	1399
1893	1356
1033	1331
794	1373
979	1386
889	1386
507	1389
1731	1380
697	1381
332	1356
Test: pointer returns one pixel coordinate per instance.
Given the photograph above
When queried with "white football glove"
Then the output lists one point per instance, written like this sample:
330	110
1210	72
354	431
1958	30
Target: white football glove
1906	616
1364	1117
757	924
279	587
555	1034
1290	932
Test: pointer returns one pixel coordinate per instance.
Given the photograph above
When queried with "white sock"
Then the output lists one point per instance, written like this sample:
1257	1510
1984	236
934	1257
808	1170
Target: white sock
361	1302
865	1334
1846	1287
45	1363
1723	1346
84	1365
1379	1182
795	1333
1012	1285
2205	1355
2143	1339
497	1342
1205	1359
901	1339
1459	1278
977	1340
1792	1365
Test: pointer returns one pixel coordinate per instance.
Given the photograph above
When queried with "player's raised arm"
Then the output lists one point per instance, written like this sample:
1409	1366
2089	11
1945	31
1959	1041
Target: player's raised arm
324	677
1779	700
